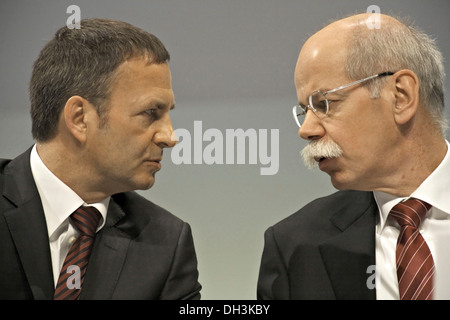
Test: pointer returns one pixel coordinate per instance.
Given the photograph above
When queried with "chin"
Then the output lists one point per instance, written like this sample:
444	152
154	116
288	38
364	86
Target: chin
144	183
340	183
148	185
348	184
337	185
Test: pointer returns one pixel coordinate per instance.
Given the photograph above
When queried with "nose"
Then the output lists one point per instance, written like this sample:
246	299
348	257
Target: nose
165	136
312	128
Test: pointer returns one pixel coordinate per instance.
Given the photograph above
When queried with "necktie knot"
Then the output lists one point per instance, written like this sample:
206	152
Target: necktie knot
410	212
86	220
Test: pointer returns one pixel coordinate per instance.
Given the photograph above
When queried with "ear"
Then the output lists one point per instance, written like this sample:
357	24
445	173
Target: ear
74	114
406	96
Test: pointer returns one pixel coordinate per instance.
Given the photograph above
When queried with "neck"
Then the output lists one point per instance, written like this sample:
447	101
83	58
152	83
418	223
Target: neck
424	156
67	164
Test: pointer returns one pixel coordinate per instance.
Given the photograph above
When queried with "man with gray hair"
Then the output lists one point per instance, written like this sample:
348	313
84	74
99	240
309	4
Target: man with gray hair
371	106
71	226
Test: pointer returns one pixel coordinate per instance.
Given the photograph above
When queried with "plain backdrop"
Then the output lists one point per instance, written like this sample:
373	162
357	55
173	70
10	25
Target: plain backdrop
232	66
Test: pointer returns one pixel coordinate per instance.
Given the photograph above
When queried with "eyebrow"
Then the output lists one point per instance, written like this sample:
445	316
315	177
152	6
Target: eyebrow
159	103
337	93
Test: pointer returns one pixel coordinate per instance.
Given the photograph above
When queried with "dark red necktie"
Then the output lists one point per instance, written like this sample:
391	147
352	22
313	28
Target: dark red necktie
70	281
415	265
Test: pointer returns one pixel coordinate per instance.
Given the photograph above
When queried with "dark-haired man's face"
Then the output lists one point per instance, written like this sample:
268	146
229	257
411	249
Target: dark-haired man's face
127	151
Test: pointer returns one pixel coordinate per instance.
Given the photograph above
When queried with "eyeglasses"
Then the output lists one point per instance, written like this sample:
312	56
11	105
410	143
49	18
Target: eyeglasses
319	103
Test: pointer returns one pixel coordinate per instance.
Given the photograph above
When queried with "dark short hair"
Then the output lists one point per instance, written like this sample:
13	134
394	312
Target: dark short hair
83	62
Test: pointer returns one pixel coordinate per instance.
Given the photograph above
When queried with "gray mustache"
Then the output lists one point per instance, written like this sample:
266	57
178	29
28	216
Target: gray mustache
319	149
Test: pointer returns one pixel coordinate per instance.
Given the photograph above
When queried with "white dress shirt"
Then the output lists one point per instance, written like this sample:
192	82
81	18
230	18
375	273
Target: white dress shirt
435	229
59	202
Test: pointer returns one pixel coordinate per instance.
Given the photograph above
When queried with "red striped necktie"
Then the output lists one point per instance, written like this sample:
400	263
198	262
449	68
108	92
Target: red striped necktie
415	265
70	280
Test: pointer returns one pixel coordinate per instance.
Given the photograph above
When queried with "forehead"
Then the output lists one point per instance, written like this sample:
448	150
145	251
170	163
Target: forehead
139	70
321	63
137	82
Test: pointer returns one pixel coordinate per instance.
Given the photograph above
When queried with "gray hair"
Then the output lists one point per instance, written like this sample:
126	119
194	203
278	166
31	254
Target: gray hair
393	47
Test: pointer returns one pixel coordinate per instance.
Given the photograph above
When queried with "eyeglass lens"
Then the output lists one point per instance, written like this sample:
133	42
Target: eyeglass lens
319	105
318	101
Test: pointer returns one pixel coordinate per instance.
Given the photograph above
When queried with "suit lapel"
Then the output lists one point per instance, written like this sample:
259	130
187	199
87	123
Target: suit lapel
348	255
27	226
107	258
28	229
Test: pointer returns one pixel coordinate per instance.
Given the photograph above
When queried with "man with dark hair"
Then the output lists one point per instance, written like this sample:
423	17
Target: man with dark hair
371	106
71	226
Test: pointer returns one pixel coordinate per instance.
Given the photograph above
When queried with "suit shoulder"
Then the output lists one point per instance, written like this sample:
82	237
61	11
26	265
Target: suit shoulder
3	164
132	202
315	216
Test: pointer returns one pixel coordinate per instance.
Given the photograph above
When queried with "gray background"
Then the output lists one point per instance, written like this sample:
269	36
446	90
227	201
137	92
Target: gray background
232	67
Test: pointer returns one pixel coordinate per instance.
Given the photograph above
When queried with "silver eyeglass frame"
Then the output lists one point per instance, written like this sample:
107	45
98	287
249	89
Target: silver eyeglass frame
311	106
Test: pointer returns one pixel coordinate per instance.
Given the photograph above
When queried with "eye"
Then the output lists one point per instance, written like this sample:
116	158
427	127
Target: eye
321	106
151	112
332	102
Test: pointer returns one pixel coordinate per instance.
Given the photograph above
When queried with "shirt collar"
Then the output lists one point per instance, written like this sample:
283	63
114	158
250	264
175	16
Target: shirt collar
58	200
433	190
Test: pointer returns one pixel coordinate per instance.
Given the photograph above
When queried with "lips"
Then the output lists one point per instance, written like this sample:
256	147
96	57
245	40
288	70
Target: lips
319	159
155	162
326	164
157	158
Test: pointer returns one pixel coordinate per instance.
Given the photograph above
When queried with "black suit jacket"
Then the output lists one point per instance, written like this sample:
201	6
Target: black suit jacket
323	251
142	252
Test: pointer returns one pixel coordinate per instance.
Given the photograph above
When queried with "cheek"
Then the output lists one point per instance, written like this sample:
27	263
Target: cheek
366	151
123	143
112	148
357	140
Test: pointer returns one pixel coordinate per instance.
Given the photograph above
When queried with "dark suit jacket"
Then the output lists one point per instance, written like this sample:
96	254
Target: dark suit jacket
322	251
142	252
